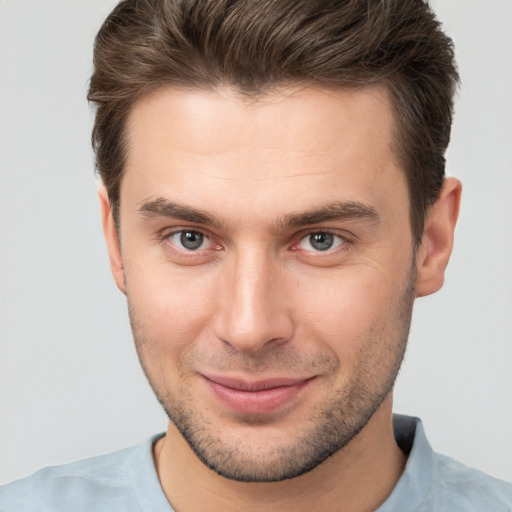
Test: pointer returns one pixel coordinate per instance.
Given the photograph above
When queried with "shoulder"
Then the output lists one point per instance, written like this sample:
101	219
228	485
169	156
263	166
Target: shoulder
433	482
101	483
468	488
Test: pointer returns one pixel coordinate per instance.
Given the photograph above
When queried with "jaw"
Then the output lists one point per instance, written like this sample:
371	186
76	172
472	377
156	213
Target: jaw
372	460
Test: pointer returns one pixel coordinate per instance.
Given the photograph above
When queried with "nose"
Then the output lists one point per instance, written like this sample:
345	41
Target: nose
253	304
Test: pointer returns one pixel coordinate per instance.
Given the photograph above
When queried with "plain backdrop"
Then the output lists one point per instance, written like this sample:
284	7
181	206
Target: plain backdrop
70	384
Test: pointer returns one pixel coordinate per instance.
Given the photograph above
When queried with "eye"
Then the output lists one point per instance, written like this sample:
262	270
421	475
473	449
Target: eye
320	241
190	240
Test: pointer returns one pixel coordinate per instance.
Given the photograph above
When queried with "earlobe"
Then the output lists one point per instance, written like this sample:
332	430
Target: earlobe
436	244
112	239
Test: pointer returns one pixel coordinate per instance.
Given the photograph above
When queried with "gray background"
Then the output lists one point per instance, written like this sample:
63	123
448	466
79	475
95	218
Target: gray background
70	385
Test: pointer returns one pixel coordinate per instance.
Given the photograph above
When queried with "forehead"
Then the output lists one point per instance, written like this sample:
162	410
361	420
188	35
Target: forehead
311	145
316	116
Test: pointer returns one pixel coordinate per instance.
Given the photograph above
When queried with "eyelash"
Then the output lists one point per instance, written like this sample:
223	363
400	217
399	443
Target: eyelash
345	244
165	238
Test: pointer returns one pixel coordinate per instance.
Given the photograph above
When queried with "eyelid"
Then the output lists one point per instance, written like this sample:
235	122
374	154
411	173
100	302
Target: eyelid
330	231
165	236
177	240
337	240
346	239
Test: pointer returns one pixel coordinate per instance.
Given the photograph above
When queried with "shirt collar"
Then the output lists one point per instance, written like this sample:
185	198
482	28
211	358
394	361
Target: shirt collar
416	479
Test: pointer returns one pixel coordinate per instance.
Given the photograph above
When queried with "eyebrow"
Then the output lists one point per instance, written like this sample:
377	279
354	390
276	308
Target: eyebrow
161	207
340	211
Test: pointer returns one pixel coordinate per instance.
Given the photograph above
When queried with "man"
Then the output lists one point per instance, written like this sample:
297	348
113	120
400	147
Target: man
273	200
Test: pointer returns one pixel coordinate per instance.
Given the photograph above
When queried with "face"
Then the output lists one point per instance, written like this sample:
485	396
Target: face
268	264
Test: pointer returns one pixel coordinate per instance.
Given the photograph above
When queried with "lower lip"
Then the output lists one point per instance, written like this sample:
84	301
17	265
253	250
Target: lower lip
256	402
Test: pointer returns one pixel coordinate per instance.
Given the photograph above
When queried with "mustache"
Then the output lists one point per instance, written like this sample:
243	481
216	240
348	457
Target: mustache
274	359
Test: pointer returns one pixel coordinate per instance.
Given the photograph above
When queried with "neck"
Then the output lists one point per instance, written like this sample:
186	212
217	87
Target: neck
357	478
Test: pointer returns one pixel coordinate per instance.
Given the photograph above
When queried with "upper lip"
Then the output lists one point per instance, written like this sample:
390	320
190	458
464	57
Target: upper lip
257	385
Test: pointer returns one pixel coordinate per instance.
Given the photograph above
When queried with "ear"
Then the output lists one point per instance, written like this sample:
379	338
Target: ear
112	239
436	244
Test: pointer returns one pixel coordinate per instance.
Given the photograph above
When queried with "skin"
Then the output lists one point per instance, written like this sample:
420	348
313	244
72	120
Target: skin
257	301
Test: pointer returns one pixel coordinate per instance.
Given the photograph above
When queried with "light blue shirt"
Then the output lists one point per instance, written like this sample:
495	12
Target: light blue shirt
126	481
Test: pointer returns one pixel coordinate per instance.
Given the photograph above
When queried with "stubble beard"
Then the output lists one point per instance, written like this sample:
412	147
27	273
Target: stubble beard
328	430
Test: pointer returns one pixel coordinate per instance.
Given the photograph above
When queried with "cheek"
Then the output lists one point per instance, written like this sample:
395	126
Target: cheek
348	310
170	309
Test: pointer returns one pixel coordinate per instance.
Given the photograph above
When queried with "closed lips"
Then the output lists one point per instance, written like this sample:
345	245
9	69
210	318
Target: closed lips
257	397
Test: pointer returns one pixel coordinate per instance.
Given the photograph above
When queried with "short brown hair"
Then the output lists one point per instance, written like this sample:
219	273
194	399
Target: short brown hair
256	45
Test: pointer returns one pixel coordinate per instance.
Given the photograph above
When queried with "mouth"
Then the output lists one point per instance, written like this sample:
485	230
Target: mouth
255	397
